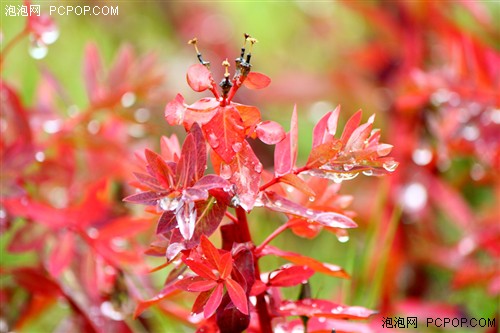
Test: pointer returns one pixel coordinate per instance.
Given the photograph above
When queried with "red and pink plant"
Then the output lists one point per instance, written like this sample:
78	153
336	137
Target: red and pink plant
193	201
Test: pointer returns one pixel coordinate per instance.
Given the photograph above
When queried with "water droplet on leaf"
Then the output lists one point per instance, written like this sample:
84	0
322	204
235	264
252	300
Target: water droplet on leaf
237	147
38	50
390	166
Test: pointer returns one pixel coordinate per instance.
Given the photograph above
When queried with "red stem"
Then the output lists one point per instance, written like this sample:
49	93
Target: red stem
262	310
277	179
272	236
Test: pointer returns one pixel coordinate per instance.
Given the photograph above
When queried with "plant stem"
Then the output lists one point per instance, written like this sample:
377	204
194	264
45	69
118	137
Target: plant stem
245	236
11	44
277	179
272	236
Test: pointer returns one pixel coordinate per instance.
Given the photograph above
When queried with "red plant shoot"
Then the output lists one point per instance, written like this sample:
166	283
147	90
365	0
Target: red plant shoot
234	294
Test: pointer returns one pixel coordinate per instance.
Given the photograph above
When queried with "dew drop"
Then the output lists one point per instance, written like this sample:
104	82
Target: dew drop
225	171
93	233
213	140
414	197
52	126
108	310
142	115
50	36
258	167
343	238
470	133
93	126
477	172
3	213
40	156
368	172
237	147
422	156
169	204
278	203
348	166
235	201
312	198
289	189
37	49
309	212
390	166
322	319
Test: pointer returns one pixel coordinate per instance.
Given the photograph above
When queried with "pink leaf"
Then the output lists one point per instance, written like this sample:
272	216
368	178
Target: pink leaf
225	133
186	219
298	259
285	153
92	68
270	132
213	301
256	80
61	254
290	276
277	203
237	295
350	126
322	308
174	111
199	78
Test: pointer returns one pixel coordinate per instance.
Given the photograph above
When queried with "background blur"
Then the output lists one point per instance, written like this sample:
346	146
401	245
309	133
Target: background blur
428	242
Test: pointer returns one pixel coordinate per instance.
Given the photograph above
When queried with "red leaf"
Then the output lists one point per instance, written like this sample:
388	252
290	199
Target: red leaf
195	284
270	132
199	78
145	198
298	183
322	308
158	168
245	175
209	215
61	254
200	301
210	252
290	276
210	182
125	226
250	116
285	152
200	268
225	133
256	80
36	282
193	159
213	301
225	265
166	223
237	295
299	259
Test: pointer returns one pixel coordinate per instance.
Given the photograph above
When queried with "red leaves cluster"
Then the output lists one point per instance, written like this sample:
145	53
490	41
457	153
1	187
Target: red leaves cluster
192	204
